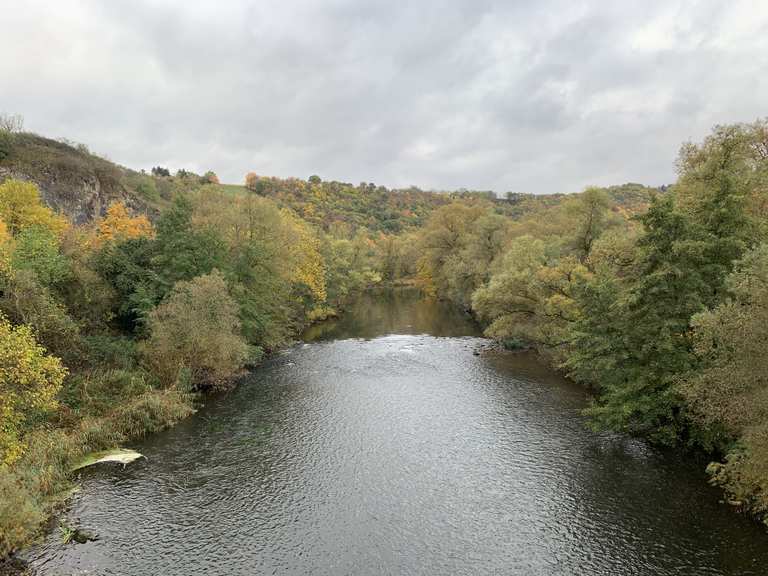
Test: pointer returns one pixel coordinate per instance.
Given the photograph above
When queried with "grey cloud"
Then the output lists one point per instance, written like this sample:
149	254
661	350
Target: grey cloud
537	97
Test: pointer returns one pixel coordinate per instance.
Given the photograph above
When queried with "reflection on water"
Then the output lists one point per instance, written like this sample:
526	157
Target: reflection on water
402	311
380	448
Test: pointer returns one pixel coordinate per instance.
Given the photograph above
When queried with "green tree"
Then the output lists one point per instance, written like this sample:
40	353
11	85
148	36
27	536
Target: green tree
632	344
37	249
195	333
181	251
726	393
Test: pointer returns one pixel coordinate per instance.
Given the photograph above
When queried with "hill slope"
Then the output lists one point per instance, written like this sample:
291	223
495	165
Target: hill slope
82	185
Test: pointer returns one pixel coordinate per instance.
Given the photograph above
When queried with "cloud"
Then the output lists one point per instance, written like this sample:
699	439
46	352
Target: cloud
534	97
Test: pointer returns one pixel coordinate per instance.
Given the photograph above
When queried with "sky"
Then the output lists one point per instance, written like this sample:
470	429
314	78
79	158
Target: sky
539	97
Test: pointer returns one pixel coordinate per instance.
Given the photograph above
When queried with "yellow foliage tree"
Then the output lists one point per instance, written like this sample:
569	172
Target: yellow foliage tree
305	265
21	207
29	382
119	225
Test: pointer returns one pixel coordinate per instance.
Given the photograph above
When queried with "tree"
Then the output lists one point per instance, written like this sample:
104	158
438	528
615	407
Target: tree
633	343
21	207
117	225
590	212
128	268
6	144
251	229
511	300
209	178
443	238
304	265
160	172
727	391
25	300
732	163
29	382
36	249
251	181
11	123
183	252
195	333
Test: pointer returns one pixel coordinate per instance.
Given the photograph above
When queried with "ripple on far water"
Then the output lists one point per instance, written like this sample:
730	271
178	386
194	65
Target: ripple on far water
387	446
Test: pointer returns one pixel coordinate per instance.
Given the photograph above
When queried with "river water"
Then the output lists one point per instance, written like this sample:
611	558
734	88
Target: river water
392	442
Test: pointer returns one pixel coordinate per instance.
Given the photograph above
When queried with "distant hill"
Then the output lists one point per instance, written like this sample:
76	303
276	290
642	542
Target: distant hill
82	185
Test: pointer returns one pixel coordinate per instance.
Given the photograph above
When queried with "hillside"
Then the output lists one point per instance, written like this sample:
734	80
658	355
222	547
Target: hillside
82	185
73	181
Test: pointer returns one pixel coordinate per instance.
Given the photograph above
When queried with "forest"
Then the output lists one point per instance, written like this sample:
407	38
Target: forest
115	326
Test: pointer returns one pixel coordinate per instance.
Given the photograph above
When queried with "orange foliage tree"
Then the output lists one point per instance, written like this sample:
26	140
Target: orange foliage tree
250	180
119	225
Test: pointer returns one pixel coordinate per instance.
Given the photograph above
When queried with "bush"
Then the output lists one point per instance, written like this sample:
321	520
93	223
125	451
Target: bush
37	250
26	301
6	144
20	513
196	329
29	382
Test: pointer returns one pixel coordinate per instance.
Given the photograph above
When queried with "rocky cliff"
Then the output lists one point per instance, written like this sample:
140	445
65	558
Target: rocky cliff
73	181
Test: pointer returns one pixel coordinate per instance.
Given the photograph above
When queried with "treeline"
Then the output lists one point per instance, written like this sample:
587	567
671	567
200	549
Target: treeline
332	205
663	315
110	329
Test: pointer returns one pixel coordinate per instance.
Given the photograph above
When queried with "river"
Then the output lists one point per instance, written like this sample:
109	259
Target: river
393	442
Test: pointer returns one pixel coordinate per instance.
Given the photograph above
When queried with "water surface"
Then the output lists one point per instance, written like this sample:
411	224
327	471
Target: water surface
391	443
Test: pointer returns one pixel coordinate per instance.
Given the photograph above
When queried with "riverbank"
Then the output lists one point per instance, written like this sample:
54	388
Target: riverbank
364	446
35	491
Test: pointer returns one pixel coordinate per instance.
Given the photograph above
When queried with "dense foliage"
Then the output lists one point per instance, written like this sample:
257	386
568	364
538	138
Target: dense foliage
656	305
109	329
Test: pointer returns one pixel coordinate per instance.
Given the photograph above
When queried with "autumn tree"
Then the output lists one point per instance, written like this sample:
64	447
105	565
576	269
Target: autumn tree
209	178
29	382
251	180
21	207
303	265
118	225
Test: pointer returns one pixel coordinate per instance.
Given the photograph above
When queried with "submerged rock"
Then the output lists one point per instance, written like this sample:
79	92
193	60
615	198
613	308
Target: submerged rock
82	536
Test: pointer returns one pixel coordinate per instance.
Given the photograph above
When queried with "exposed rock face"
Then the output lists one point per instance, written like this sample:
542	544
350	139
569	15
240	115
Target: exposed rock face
83	199
71	180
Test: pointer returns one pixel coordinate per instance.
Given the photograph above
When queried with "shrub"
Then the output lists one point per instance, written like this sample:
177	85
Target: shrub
29	382
196	329
20	513
6	144
37	249
26	301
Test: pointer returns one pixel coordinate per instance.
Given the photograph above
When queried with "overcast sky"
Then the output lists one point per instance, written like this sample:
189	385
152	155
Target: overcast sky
546	96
